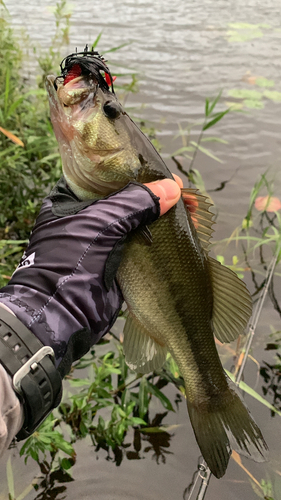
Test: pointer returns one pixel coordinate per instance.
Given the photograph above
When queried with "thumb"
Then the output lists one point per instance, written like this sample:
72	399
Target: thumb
168	191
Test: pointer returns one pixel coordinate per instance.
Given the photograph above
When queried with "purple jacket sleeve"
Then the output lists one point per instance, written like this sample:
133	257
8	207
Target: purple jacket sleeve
58	287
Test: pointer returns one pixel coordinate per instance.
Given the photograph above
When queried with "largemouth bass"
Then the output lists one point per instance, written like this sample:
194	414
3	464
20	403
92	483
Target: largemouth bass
178	297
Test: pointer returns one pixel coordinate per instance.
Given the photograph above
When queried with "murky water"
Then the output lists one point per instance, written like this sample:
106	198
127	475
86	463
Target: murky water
183	52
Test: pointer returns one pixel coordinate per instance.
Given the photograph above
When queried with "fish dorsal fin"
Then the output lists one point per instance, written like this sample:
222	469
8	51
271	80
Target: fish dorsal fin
200	214
232	303
143	354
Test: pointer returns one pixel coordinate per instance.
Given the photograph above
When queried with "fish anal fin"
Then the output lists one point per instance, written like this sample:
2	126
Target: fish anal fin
143	353
198	207
232	303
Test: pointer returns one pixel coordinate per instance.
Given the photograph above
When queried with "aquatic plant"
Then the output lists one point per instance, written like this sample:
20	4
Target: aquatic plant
258	234
190	147
244	32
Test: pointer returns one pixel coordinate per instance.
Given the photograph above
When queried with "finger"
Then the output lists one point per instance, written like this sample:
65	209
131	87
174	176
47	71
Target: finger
168	191
178	180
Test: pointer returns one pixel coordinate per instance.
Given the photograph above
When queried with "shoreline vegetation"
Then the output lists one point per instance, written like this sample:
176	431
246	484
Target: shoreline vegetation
108	402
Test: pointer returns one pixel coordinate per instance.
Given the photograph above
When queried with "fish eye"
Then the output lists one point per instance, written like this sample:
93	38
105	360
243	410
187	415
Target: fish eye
112	109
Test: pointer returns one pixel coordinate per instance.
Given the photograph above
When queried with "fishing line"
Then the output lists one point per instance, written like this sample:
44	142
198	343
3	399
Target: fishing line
203	471
257	314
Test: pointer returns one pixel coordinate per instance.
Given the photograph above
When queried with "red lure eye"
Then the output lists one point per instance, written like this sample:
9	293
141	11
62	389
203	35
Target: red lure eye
74	72
107	79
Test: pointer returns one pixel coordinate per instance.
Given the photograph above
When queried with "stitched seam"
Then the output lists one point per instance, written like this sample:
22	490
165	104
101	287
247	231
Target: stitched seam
39	313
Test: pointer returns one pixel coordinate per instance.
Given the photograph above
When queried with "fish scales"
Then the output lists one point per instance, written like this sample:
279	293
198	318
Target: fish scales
174	302
177	295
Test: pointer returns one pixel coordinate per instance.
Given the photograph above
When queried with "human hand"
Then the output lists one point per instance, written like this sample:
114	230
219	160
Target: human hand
167	191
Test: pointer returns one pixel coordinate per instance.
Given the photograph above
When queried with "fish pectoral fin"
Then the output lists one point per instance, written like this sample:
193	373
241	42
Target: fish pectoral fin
198	207
143	354
143	236
232	303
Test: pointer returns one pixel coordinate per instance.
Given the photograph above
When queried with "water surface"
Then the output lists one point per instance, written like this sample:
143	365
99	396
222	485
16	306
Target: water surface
183	52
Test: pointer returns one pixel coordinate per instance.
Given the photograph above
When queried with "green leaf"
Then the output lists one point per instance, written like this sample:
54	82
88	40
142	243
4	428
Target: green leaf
7	87
214	139
79	382
137	421
159	394
102	393
24	447
234	36
116	48
121	412
207	107
96	41
34	455
217	118
44	439
66	464
126	398
206	151
109	371
18	102
143	398
173	367
264	82
253	95
251	104
13	242
214	103
273	95
121	428
101	423
235	260
244	26
159	430
47	158
246	388
234	106
83	429
65	446
183	150
220	258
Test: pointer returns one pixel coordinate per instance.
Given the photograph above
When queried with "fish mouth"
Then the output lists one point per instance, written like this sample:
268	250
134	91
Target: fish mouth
50	83
92	153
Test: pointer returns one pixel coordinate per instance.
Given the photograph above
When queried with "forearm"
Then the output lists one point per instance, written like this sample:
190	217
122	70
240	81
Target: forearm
63	297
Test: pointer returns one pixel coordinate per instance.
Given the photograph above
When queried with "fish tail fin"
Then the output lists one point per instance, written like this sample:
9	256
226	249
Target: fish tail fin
224	426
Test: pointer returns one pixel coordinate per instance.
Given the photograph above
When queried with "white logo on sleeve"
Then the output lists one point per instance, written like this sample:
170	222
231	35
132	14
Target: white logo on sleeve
26	261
